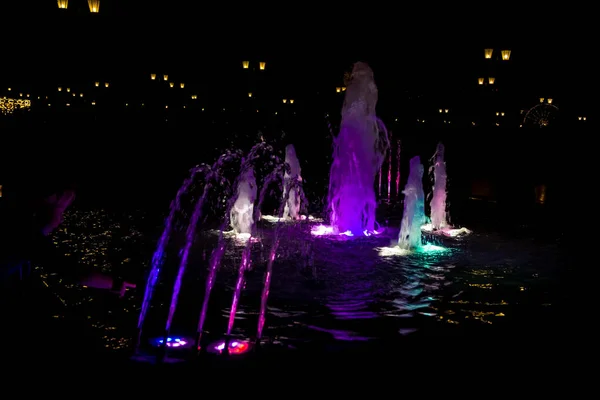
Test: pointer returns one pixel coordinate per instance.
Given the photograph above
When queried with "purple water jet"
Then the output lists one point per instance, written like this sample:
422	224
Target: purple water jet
262	315
359	151
239	285
414	208
389	192
191	233
274	176
159	255
266	289
217	255
380	177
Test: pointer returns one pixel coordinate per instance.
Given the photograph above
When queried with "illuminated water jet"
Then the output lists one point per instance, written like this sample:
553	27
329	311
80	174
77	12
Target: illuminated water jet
359	151
243	209
439	221
292	180
414	208
438	200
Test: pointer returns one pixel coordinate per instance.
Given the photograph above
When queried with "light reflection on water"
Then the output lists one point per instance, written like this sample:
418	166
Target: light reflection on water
358	289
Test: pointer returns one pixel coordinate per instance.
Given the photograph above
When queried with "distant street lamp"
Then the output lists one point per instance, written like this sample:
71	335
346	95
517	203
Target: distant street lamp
94	6
63	4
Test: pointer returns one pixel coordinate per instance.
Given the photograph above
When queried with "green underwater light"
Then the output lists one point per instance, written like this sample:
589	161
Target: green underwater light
431	248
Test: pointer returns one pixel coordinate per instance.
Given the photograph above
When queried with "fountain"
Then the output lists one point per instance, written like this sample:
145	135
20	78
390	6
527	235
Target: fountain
439	222
414	208
292	180
242	212
359	151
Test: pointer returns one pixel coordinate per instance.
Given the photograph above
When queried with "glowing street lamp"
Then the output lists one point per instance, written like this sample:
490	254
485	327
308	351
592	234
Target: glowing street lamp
94	6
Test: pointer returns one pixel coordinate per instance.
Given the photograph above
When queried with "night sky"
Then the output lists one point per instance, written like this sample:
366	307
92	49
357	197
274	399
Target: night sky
306	49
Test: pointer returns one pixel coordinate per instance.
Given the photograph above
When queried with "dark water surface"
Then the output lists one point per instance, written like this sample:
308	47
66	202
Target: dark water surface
509	281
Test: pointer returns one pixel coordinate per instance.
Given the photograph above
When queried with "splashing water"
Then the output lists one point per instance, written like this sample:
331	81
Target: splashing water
414	208
218	253
439	222
159	255
292	205
358	154
264	297
190	235
242	212
438	200
274	176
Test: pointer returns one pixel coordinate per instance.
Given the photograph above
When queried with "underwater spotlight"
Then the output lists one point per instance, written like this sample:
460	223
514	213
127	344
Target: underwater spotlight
236	347
173	342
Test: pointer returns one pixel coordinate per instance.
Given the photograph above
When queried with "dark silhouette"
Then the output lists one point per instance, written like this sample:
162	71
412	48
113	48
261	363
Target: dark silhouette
27	219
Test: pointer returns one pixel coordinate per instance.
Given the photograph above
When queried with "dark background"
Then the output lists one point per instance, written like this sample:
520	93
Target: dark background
422	61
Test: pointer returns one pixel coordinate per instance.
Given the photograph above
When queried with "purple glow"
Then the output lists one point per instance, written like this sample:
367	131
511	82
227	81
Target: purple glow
159	254
235	347
173	342
219	251
215	261
389	192
398	170
266	288
189	240
380	179
327	230
359	151
239	285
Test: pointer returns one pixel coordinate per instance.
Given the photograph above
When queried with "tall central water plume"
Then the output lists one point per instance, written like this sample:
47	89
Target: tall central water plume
438	200
414	207
358	153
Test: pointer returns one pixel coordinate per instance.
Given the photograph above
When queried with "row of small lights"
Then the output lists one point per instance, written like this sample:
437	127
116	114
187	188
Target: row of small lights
94	5
291	101
8	105
153	76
